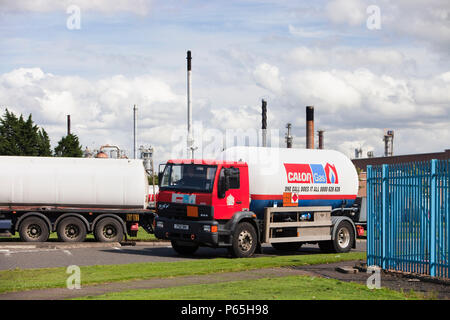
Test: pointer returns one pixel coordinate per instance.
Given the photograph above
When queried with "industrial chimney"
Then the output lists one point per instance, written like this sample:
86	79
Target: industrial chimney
320	133
190	138
264	122
309	127
68	124
388	143
288	136
134	132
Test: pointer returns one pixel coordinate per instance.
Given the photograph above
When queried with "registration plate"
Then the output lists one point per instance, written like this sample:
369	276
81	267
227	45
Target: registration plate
181	226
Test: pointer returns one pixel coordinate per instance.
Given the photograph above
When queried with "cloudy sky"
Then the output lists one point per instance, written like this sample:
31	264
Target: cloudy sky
362	74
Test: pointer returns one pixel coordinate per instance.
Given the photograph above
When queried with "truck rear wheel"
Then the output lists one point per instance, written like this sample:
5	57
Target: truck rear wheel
34	229
343	240
108	230
183	248
287	246
71	229
244	241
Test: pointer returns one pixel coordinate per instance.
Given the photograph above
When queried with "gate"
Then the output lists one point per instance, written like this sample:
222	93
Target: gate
408	217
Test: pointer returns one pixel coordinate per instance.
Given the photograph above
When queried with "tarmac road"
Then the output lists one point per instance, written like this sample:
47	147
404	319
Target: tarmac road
54	254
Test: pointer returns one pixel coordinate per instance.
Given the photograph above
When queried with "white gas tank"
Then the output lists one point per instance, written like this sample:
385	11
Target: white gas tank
297	177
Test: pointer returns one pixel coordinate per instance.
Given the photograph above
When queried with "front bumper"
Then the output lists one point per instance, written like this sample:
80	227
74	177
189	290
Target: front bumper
193	231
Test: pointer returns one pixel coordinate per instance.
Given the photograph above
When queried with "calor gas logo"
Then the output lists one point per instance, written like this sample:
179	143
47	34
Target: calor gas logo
311	173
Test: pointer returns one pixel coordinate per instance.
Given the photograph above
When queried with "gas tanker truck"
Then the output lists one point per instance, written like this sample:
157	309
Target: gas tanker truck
252	195
74	197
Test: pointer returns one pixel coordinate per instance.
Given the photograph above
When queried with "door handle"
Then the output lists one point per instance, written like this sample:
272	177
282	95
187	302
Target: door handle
238	202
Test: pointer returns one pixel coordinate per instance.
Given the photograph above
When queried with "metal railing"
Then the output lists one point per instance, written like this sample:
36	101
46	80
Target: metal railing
408	217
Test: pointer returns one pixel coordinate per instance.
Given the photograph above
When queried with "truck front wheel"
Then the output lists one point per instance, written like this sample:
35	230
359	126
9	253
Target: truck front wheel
244	241
184	249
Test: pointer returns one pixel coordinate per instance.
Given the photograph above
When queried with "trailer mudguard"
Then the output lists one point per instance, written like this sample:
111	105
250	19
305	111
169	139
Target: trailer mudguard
33	214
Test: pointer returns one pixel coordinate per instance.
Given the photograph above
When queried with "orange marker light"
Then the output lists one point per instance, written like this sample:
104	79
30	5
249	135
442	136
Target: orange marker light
213	228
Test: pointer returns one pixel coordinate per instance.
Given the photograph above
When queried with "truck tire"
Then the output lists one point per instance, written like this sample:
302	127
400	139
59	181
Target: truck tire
34	229
183	248
244	241
71	229
343	240
287	246
108	230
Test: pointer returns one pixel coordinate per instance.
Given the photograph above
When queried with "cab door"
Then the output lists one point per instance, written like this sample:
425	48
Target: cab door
232	199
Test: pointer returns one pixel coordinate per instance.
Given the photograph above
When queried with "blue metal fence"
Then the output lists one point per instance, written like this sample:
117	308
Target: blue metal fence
408	227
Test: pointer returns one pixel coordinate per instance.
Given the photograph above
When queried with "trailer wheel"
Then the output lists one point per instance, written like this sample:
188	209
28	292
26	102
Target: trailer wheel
287	246
183	248
108	230
343	240
244	241
34	229
71	230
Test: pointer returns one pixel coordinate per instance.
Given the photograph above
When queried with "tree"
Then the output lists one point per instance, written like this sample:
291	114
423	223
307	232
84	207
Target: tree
69	146
44	147
22	138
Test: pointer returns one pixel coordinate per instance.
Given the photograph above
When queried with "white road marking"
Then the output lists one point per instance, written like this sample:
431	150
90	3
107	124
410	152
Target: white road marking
6	252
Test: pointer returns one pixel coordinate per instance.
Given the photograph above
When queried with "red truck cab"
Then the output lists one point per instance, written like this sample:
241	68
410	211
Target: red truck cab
206	203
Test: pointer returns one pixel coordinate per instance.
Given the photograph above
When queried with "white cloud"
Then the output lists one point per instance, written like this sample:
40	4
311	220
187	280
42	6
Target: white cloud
307	32
347	57
101	110
327	89
360	81
140	7
267	76
351	12
420	21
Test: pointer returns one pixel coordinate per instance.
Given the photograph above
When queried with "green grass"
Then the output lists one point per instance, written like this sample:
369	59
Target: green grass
18	279
141	236
285	288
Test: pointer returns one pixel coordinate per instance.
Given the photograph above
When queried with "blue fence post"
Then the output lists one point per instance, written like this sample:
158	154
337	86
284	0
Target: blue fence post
433	215
384	216
369	218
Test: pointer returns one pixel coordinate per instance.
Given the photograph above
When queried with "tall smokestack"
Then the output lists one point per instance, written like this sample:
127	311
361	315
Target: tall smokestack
134	131
68	124
309	127
264	123
320	133
190	138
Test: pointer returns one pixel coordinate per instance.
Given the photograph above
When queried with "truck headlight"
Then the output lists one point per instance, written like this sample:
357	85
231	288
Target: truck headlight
160	224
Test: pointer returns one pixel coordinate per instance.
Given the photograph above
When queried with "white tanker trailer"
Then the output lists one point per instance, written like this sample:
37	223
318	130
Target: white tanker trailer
73	196
252	195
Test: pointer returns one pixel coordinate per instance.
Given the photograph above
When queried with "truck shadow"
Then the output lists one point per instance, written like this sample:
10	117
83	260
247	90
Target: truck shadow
204	253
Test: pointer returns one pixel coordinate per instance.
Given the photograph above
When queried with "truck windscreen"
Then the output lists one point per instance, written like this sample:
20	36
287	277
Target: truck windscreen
188	177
